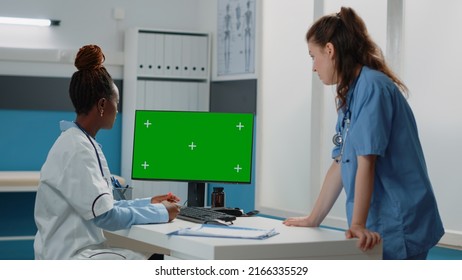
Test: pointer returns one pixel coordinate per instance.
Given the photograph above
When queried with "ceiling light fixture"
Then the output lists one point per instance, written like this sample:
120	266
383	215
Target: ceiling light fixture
29	21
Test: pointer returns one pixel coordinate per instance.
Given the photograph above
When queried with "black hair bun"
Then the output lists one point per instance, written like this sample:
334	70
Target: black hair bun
89	57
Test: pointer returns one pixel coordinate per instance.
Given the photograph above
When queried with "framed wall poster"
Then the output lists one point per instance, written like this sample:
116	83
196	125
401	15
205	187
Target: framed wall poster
236	32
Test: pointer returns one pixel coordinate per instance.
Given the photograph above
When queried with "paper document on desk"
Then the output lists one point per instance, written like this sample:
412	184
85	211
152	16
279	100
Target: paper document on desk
206	230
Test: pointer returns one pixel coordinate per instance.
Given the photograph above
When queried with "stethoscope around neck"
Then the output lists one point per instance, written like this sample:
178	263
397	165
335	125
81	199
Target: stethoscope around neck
96	150
114	181
340	137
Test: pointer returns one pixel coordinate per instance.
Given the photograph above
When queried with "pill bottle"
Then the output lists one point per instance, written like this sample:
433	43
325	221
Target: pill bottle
218	197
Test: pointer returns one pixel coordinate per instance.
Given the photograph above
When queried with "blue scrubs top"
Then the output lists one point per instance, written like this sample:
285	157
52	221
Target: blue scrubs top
403	207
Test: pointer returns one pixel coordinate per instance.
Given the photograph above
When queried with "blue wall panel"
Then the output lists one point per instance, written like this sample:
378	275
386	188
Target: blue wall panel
27	136
18	217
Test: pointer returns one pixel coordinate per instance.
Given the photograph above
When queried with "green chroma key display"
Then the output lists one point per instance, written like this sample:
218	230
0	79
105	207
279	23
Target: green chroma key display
193	146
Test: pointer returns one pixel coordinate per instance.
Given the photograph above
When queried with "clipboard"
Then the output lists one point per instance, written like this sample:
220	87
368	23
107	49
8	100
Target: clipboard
210	230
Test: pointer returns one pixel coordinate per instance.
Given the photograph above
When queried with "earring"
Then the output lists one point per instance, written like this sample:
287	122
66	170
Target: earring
102	112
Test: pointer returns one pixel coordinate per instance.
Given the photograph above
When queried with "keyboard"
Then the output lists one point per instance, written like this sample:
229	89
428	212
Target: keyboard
203	215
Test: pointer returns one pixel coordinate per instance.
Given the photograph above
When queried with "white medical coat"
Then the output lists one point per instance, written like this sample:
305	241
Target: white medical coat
72	191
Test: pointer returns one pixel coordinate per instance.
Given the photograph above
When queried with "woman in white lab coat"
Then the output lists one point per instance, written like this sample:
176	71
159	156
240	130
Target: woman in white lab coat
74	201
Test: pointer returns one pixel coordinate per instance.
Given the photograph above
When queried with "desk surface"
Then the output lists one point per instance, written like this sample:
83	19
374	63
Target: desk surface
290	243
19	181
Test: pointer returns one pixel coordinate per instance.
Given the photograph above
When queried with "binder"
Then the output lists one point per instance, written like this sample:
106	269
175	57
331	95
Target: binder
142	54
186	55
202	54
172	55
158	54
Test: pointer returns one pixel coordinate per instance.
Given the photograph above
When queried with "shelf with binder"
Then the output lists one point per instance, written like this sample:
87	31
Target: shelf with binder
163	70
173	55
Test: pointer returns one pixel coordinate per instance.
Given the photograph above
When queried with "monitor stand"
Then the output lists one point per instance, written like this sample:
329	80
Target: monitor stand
196	194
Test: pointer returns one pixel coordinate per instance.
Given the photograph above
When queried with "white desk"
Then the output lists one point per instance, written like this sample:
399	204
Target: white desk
25	181
291	242
19	181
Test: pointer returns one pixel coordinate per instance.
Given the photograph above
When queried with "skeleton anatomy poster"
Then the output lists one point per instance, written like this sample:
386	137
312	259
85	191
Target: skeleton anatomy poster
235	37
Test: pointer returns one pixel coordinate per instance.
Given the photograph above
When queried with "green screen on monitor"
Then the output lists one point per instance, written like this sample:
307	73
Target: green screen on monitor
193	146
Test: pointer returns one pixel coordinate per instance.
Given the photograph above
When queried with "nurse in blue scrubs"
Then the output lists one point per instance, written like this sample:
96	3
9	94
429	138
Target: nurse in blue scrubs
377	156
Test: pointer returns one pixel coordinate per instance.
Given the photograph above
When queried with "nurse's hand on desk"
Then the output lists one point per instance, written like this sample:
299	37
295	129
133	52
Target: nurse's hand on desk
300	222
170	197
172	209
367	239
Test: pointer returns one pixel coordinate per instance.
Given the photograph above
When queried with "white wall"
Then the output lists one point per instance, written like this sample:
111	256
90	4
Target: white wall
90	22
431	70
283	141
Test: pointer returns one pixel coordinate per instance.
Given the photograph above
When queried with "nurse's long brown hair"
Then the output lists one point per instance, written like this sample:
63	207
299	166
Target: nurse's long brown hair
353	47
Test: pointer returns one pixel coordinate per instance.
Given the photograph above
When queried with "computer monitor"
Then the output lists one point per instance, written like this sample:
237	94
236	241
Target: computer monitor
193	146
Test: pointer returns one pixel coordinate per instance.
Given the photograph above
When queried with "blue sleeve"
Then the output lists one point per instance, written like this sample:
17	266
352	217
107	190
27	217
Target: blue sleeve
373	116
126	216
134	202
